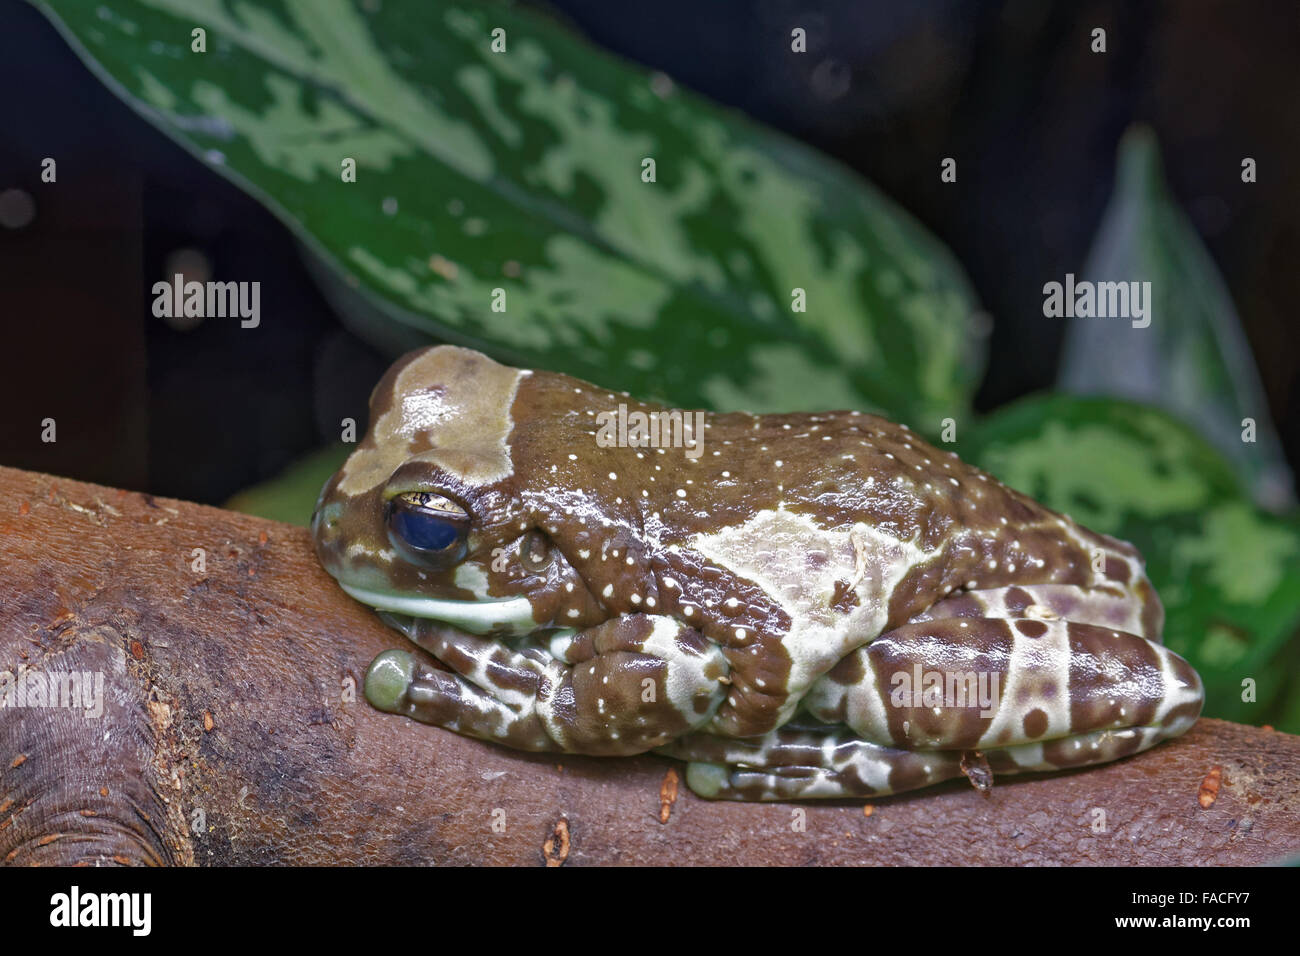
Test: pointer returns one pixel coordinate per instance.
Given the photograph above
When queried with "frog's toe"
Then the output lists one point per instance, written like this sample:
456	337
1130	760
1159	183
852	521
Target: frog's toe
387	679
707	780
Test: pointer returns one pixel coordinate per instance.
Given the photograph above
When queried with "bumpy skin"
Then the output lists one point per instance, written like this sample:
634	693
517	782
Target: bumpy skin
761	611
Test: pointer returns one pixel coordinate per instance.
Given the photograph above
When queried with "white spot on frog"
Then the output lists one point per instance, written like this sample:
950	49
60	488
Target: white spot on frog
472	578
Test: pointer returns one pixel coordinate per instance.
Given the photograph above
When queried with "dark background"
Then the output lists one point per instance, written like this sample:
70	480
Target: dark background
1008	87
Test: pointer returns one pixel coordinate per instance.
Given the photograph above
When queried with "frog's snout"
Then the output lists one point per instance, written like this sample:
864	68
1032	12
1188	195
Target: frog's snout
326	535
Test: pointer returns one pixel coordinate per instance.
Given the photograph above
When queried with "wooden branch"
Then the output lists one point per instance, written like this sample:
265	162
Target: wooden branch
228	736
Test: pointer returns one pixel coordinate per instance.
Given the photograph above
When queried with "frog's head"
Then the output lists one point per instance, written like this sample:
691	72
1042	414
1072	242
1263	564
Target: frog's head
433	516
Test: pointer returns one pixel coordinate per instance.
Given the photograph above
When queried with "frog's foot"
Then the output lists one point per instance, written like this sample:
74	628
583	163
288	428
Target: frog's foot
622	687
805	764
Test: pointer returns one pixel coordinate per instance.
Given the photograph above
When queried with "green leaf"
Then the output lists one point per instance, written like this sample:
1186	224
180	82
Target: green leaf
522	171
1192	359
1227	572
291	495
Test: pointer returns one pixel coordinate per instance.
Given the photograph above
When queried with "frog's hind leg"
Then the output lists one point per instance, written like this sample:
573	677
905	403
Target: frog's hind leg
803	764
1032	694
1029	694
622	687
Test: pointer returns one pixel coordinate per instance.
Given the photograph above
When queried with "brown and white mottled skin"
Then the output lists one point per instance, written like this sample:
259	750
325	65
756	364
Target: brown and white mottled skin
761	610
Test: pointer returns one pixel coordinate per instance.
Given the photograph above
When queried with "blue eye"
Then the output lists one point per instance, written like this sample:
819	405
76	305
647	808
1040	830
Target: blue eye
427	528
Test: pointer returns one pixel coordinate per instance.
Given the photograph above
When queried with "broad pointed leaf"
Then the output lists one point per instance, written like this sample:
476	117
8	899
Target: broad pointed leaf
1192	358
524	171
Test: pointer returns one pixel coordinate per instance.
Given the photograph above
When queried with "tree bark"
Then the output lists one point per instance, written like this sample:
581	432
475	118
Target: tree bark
233	731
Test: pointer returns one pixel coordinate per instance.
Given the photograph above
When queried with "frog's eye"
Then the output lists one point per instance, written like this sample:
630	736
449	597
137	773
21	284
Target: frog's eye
428	529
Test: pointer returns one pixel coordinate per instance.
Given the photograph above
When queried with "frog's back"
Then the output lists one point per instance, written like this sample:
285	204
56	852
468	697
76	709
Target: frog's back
967	530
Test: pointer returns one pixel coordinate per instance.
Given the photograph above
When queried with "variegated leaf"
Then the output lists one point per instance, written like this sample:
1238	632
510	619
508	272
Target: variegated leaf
1192	358
522	171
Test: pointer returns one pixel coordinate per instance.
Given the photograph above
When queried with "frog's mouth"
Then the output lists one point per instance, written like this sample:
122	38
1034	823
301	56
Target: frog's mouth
489	615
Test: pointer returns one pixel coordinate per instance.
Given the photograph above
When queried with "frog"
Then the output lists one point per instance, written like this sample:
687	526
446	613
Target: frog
795	606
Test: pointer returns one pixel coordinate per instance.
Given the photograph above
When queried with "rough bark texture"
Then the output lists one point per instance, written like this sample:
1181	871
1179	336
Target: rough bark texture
229	736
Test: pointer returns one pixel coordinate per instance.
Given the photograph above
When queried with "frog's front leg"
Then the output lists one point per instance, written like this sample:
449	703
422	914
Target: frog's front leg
621	687
1030	694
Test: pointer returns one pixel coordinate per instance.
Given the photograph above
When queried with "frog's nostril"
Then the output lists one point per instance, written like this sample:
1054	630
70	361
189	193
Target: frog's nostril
326	516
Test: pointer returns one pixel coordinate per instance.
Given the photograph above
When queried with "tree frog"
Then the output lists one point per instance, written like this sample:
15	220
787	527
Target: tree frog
798	606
